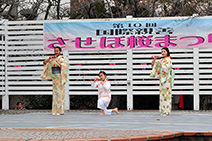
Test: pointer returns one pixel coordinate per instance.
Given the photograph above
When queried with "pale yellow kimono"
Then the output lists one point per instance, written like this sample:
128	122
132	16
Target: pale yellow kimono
58	80
164	74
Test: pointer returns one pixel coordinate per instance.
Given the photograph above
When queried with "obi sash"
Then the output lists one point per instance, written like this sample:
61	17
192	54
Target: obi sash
56	70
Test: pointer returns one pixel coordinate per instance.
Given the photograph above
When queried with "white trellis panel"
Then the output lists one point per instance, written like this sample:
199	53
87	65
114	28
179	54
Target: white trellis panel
2	58
86	65
25	56
21	67
182	60
205	71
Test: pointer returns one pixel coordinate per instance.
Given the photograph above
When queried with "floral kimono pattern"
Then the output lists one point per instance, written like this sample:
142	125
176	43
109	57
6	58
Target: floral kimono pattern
58	80
104	91
163	72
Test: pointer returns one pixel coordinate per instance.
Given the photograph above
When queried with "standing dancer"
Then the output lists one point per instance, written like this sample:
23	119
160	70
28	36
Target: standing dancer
56	68
162	69
104	96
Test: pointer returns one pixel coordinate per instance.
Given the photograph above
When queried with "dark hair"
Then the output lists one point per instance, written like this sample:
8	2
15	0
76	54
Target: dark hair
18	103
102	72
168	52
58	48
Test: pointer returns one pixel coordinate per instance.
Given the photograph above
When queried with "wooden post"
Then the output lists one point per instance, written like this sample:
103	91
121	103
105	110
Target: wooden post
129	77
5	97
129	80
196	78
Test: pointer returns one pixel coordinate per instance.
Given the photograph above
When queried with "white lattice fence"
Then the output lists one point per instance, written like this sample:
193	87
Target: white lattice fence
25	55
128	71
205	71
85	66
2	58
182	63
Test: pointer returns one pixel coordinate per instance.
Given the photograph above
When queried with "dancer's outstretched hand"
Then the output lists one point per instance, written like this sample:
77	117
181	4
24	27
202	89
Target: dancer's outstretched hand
51	57
155	56
96	79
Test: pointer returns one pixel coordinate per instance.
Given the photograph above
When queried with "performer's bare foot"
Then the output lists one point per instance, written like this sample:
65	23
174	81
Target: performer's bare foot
116	110
102	113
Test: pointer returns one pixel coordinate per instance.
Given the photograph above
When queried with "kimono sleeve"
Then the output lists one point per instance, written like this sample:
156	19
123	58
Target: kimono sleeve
47	71
94	84
64	69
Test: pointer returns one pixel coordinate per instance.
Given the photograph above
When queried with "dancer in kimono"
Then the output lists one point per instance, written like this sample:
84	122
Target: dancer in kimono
56	68
162	69
104	96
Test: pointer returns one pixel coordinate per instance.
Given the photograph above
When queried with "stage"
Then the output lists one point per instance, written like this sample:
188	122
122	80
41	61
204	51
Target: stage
86	124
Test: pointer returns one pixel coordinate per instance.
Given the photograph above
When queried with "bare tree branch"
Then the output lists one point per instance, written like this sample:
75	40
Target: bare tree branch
58	9
48	9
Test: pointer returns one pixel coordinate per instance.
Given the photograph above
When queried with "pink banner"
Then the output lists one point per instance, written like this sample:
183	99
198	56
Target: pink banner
122	35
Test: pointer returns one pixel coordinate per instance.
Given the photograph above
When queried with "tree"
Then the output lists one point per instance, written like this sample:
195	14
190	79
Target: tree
31	13
89	9
9	9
